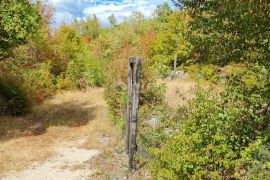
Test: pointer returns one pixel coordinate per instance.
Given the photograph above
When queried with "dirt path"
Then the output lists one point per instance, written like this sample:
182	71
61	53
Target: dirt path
79	142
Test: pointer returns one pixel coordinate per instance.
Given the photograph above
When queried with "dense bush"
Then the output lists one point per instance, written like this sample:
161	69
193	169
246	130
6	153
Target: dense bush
116	90
86	67
18	21
229	31
129	39
153	123
13	99
38	83
220	135
171	41
207	72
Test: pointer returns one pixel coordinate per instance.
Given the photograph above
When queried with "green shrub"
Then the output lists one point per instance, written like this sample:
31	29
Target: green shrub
94	72
38	83
254	162
75	71
116	98
221	135
151	129
64	83
207	72
13	100
84	66
116	89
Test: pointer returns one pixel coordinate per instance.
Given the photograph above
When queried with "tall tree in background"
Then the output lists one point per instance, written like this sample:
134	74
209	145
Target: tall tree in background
163	11
230	30
112	20
91	26
18	20
170	41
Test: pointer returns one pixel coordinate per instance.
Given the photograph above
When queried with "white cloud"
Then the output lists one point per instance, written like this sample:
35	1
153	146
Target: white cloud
68	9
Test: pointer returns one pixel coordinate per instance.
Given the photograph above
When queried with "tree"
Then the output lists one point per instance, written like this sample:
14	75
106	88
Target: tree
230	30
18	20
163	11
170	42
112	20
68	44
91	26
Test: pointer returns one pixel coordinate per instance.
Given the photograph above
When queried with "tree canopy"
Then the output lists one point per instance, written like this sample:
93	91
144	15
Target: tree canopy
230	30
18	20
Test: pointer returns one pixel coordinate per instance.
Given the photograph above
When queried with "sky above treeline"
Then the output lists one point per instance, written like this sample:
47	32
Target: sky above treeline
67	10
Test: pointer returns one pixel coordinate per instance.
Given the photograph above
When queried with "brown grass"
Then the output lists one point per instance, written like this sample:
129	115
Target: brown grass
70	109
62	118
19	150
179	91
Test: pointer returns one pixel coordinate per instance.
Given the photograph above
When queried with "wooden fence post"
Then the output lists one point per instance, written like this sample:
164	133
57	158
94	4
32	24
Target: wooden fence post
174	66
129	103
134	80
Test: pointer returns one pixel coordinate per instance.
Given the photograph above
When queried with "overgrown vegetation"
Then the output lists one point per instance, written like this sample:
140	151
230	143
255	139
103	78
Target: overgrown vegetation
40	60
222	133
18	21
217	134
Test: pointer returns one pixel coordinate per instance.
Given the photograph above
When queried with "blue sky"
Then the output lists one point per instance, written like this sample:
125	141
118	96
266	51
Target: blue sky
68	9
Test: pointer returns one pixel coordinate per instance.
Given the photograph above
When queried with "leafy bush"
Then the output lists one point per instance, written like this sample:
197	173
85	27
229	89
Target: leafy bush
18	20
220	135
133	37
13	100
208	72
220	38
85	66
171	41
94	72
64	83
254	162
151	129
116	91
38	83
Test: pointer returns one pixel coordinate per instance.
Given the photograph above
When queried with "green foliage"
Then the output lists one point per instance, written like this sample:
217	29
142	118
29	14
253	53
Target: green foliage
94	72
163	11
132	37
91	26
84	66
68	44
112	20
254	162
220	135
13	99
229	31
38	83
64	83
18	20
171	41
151	130
207	72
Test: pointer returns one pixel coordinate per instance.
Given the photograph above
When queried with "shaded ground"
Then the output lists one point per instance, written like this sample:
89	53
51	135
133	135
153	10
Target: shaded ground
68	137
69	109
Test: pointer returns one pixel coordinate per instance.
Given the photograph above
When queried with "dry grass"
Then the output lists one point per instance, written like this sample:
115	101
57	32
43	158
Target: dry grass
60	116
70	109
65	117
179	91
